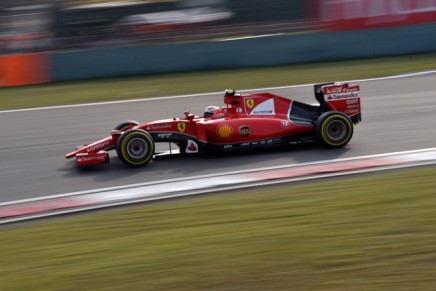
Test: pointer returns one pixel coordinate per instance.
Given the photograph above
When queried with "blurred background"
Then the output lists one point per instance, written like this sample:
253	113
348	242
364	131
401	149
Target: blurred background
355	234
285	32
30	25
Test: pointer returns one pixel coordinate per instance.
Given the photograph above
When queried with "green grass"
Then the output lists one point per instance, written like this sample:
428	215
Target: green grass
210	81
376	232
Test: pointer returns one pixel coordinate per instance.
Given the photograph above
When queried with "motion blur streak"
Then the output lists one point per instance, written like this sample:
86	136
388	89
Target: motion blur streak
27	27
31	26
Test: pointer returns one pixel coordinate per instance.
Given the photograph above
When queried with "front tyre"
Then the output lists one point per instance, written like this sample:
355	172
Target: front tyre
135	147
125	125
334	129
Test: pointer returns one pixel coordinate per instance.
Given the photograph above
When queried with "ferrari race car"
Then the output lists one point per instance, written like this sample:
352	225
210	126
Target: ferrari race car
246	121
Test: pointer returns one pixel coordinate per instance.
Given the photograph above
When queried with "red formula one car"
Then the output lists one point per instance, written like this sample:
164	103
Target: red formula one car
246	121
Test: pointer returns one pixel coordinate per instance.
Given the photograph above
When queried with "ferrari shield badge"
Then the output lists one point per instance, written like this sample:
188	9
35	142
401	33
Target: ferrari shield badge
181	126
249	103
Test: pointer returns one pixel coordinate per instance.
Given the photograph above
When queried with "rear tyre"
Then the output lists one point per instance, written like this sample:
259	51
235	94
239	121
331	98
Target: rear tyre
125	125
135	147
334	129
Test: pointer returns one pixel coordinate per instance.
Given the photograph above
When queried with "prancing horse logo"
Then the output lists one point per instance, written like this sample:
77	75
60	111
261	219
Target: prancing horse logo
249	103
181	126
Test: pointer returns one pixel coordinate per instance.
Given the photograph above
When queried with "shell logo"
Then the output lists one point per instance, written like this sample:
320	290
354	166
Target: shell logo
224	131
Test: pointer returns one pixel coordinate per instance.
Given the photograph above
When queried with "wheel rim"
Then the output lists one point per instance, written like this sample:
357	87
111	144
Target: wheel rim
137	148
336	130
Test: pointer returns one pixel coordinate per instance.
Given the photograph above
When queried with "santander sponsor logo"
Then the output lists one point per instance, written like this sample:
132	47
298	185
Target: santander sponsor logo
91	158
192	147
159	126
341	96
98	146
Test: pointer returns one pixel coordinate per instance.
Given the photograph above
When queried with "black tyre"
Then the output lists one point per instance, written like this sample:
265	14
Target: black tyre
125	125
334	129
135	147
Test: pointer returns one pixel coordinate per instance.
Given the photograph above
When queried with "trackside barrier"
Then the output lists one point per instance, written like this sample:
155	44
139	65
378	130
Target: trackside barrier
88	200
24	69
243	53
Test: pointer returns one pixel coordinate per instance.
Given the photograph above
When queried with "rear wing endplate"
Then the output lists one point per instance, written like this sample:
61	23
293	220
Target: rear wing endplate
340	97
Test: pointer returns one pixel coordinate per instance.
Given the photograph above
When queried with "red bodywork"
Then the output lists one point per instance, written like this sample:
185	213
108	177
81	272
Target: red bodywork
246	121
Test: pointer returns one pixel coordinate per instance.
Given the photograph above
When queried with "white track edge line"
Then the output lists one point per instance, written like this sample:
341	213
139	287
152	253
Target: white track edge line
414	74
206	191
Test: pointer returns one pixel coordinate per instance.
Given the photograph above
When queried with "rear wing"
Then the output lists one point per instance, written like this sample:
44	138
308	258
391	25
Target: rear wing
340	97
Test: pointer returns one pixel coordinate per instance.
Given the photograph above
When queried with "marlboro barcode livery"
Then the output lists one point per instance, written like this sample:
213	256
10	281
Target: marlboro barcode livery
246	121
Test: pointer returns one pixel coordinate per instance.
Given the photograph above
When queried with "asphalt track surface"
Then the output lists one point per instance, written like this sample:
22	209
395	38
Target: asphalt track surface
398	115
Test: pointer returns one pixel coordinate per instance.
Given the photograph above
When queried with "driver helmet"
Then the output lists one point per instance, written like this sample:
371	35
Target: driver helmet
210	111
230	92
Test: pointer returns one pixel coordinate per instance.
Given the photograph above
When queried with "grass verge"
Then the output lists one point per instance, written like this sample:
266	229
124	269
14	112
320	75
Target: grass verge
375	232
200	82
